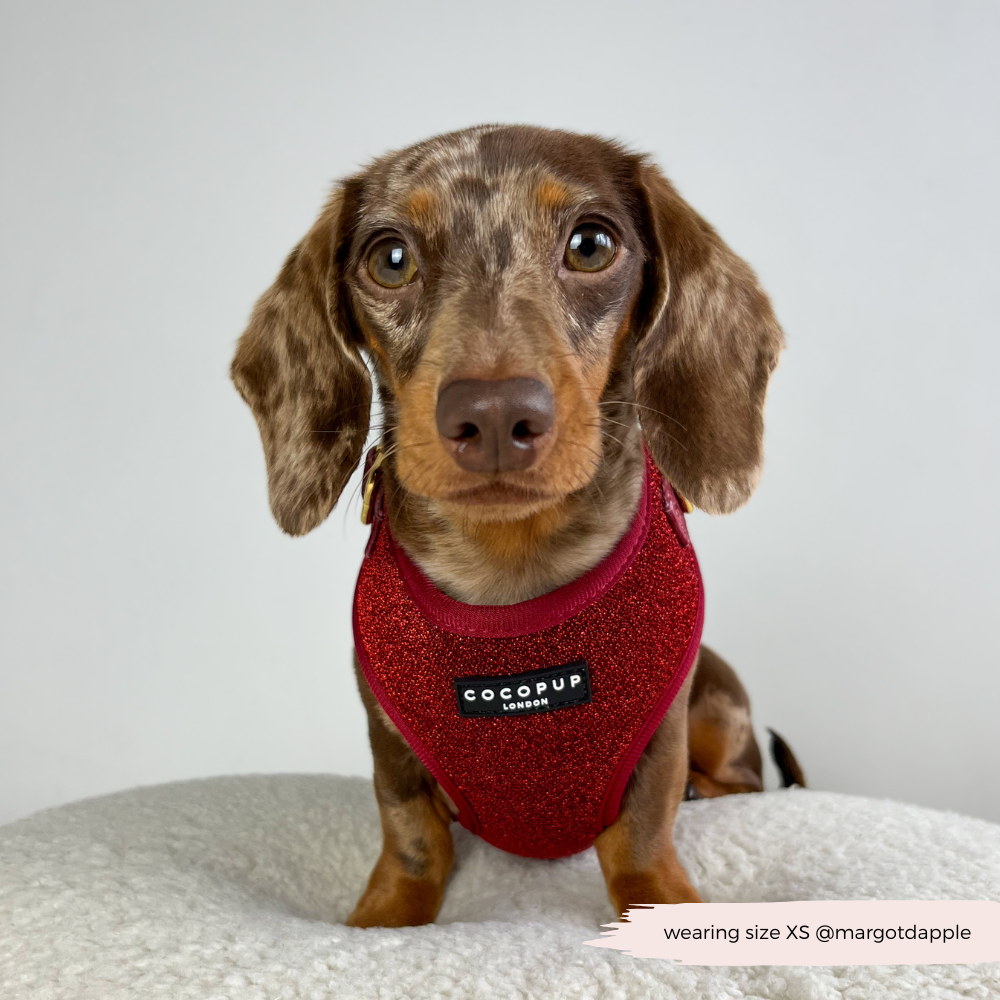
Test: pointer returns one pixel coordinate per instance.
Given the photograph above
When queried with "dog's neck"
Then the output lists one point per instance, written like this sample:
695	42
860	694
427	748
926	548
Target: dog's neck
511	561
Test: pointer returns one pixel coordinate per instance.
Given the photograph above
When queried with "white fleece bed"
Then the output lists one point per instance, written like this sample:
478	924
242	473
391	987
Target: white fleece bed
233	888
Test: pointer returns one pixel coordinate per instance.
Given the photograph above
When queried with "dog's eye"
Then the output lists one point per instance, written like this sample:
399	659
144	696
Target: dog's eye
590	248
391	264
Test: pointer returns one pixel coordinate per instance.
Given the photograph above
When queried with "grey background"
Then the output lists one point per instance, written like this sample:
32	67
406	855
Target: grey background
158	162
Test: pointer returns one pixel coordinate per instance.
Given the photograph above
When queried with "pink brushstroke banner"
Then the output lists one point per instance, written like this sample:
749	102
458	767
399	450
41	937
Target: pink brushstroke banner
818	932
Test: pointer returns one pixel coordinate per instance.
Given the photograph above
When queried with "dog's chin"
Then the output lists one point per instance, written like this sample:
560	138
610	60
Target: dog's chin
496	502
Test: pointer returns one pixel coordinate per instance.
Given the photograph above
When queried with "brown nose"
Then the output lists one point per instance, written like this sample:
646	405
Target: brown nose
493	425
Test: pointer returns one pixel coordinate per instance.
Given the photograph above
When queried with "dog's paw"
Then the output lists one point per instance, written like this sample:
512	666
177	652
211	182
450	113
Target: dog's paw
401	903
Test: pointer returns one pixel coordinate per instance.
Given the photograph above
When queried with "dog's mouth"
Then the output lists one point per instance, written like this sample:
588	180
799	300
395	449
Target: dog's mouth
498	494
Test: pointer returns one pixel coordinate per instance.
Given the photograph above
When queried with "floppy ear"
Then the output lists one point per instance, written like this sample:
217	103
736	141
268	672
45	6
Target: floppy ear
702	363
301	374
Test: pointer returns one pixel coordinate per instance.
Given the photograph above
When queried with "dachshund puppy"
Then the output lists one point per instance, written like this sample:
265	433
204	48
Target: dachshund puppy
558	341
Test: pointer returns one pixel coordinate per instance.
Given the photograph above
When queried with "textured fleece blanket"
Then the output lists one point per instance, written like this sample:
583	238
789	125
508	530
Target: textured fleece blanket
236	888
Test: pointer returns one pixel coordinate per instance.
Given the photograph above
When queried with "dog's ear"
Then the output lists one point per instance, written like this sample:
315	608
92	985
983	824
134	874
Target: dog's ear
703	359
299	370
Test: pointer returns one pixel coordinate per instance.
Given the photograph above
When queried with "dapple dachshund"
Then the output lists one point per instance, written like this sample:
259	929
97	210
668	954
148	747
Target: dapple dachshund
551	328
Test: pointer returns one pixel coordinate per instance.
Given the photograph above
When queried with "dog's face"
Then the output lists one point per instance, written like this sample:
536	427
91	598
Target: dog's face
495	284
517	289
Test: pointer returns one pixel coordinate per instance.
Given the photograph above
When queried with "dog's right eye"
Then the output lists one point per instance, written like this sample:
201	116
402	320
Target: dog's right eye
391	264
590	248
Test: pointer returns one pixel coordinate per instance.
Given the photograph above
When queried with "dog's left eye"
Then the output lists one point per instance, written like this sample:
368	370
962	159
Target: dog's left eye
391	264
590	248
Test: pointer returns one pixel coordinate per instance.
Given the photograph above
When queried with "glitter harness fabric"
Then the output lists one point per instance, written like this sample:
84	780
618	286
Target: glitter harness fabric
536	765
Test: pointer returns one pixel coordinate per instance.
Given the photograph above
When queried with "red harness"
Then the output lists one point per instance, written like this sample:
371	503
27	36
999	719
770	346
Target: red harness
532	716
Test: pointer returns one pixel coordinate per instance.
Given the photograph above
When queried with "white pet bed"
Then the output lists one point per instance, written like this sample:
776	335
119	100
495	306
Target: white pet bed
234	888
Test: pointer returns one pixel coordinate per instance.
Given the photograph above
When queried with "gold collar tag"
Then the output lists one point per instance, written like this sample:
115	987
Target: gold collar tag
369	486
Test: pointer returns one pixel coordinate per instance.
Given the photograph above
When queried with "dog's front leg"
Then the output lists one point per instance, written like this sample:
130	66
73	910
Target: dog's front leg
637	852
406	886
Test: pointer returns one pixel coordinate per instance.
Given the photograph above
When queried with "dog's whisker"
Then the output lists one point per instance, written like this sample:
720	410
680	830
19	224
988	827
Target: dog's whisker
642	406
679	443
618	423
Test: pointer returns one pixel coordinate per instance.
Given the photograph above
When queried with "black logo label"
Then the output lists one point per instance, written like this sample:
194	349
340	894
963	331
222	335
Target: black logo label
525	694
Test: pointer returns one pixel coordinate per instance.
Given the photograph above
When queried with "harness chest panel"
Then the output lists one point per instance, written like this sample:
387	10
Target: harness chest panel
532	716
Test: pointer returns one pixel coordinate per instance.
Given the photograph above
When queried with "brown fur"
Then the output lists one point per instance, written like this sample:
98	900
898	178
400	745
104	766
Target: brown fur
673	341
305	381
723	751
712	346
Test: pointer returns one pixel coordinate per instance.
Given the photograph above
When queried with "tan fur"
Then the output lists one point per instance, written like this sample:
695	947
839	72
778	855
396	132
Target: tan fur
422	206
511	542
672	342
552	195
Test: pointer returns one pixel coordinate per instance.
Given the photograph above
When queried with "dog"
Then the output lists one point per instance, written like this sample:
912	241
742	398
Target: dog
560	343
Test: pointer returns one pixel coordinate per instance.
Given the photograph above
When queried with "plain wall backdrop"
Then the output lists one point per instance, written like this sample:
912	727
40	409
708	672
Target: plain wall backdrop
159	161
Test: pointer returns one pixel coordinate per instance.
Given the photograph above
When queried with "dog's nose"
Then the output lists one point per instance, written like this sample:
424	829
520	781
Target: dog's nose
493	425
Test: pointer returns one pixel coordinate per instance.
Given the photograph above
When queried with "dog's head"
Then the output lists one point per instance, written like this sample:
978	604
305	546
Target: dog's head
512	287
